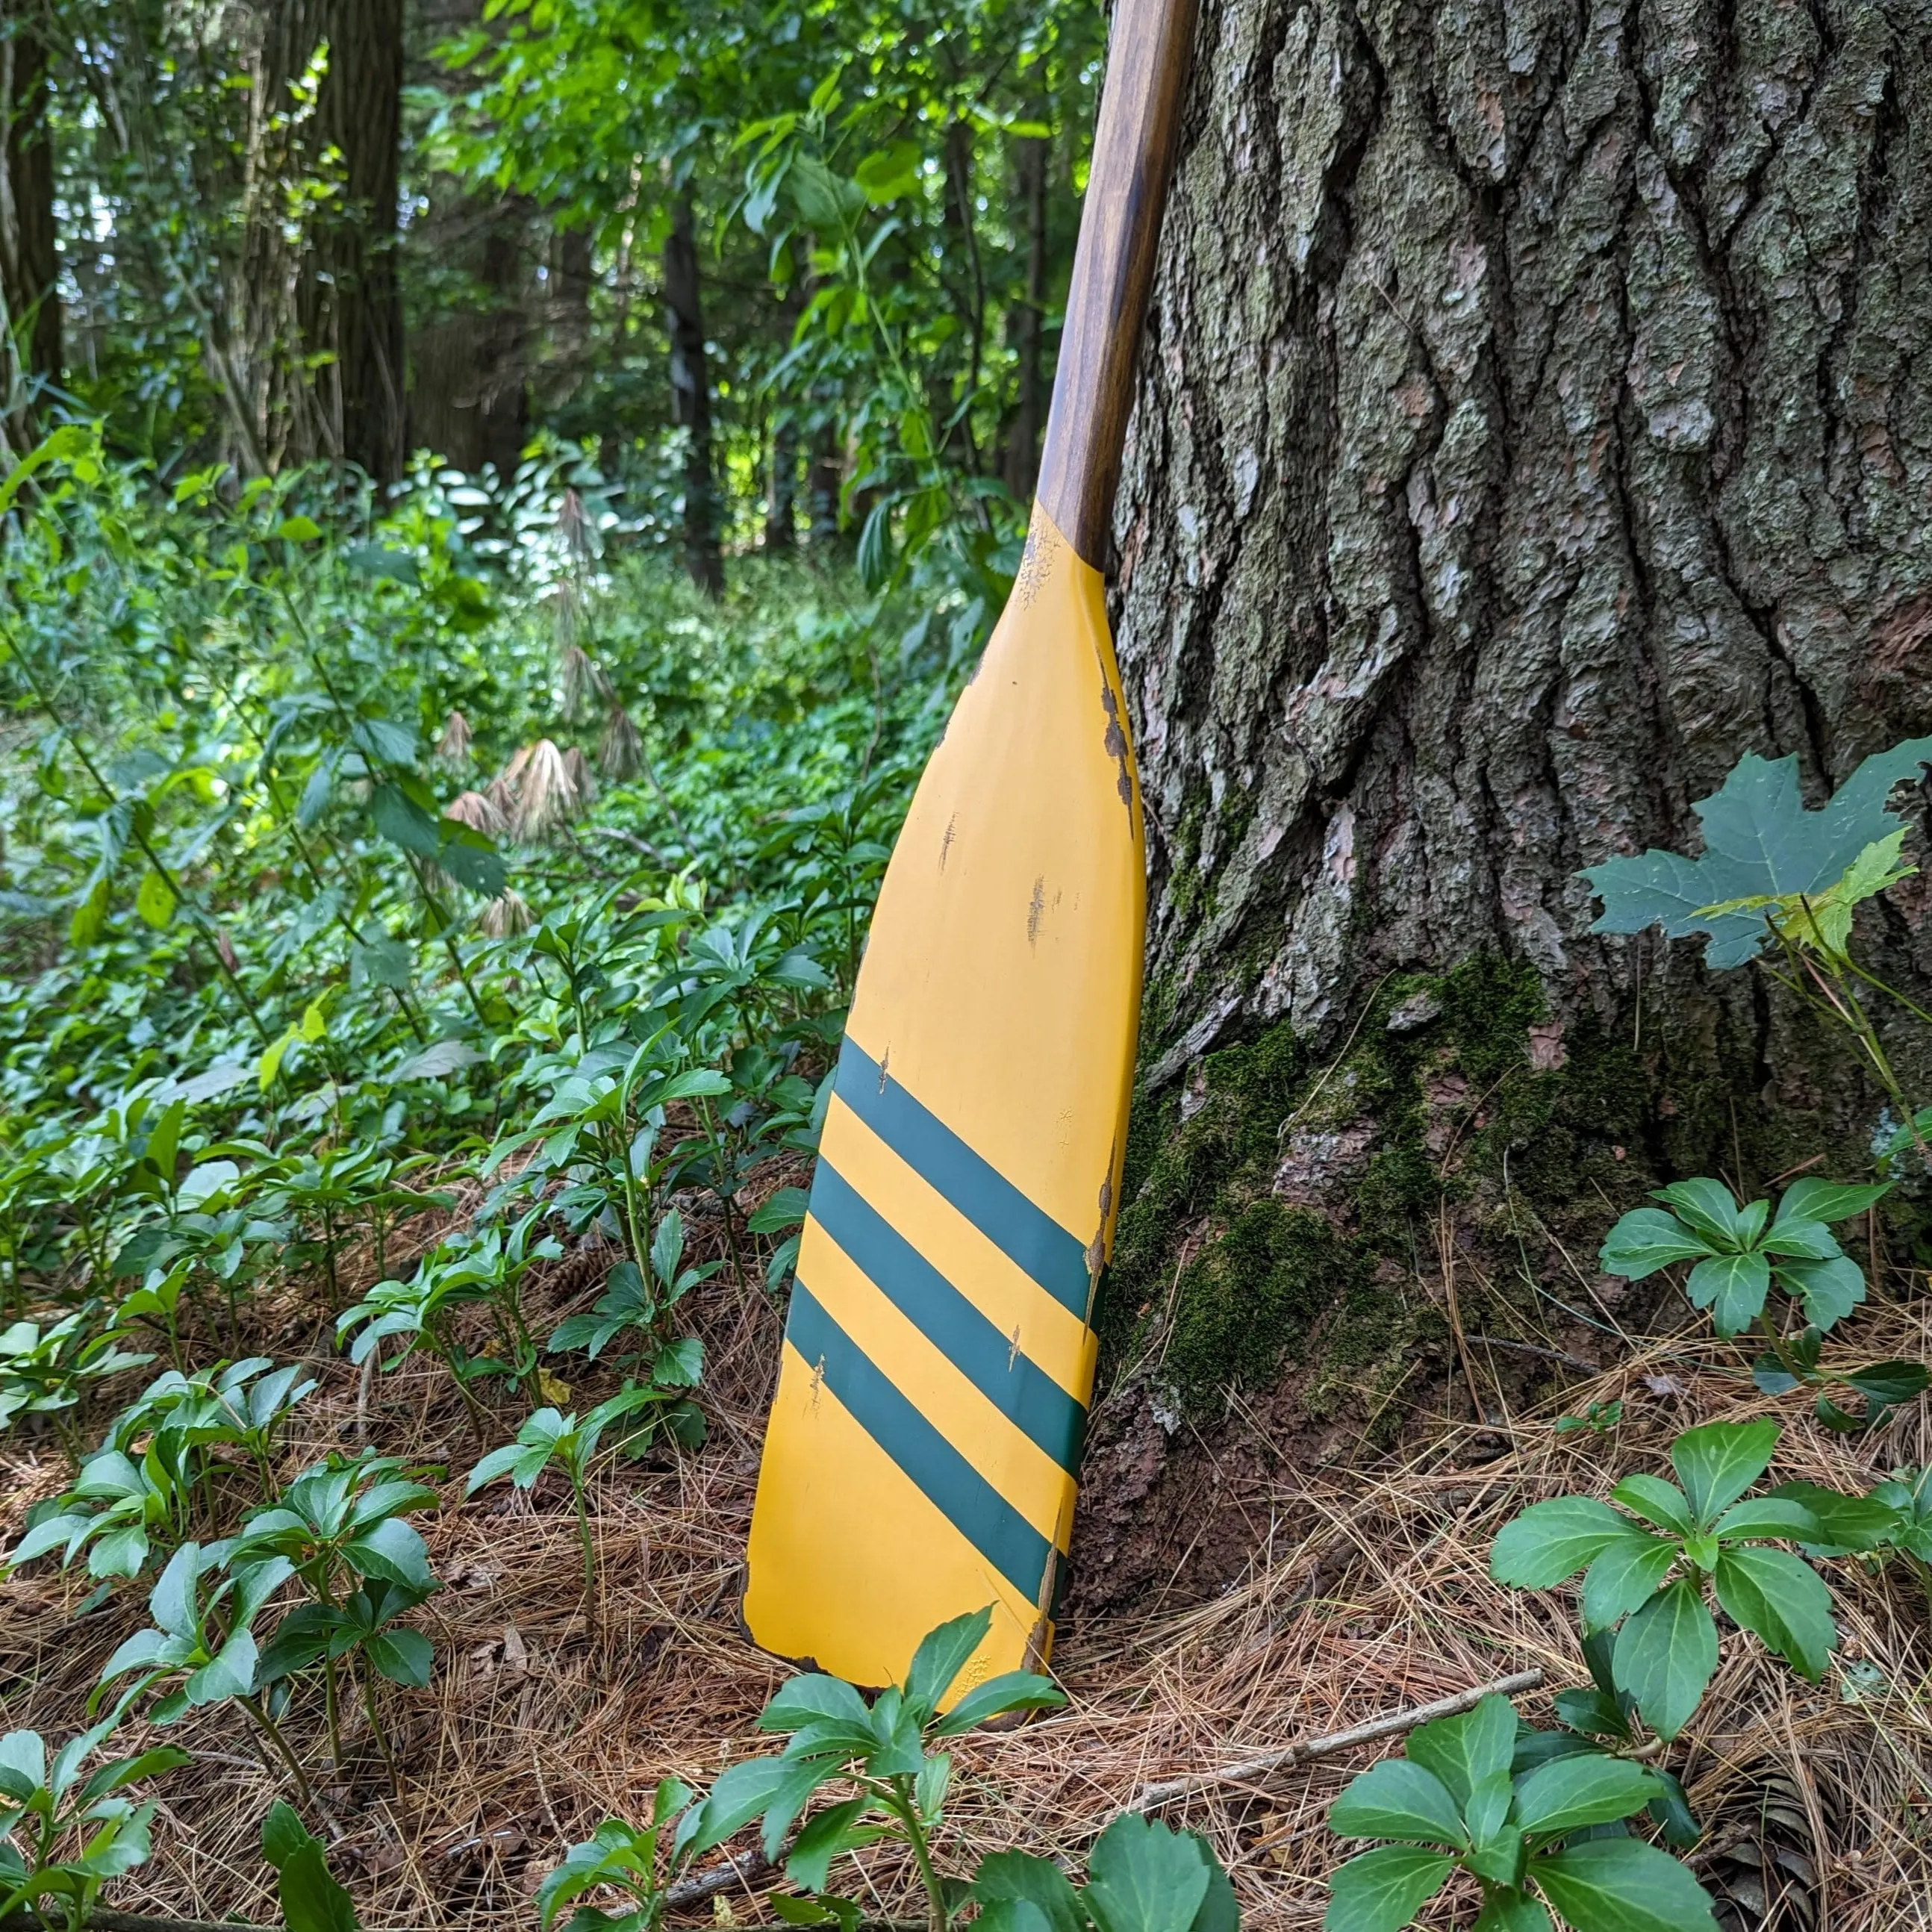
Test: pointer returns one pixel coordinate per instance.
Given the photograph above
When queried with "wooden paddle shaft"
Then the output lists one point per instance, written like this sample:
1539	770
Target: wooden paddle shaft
1120	227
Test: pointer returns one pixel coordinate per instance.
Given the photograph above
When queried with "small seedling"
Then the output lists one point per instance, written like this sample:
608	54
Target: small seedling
550	1436
1601	1418
624	1858
883	1750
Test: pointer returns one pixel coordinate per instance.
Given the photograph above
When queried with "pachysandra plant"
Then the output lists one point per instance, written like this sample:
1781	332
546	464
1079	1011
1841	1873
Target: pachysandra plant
1600	1717
1741	1251
46	1806
1649	1563
574	1444
1543	1842
201	1641
313	1899
1894	1520
1141	1877
882	1750
636	1861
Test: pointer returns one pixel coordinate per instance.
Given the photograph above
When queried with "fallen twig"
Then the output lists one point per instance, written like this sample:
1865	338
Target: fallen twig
1150	1796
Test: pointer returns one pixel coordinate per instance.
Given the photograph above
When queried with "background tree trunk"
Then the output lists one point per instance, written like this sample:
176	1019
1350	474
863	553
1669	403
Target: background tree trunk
1535	415
350	305
30	312
1026	322
690	395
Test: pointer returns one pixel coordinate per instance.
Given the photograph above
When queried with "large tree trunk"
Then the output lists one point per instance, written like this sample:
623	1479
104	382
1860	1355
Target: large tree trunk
30	314
1535	415
690	395
470	327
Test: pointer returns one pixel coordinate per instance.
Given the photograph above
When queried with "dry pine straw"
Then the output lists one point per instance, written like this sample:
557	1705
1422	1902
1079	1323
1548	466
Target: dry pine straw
1368	1591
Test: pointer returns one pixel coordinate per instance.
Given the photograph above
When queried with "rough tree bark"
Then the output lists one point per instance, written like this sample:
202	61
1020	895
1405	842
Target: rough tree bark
30	312
690	395
1535	415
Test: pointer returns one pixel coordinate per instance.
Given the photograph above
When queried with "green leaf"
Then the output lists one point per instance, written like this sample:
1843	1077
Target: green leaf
1664	1656
1708	1207
298	529
403	1656
1759	839
1886	1384
1511	1912
1011	1691
1143	1877
942	1654
1844	1523
394	1551
1801	1241
1396	1799
283	1833
1717	1463
889	172
1466	1750
1039	1883
1588	1789
1765	1517
1383	1890
1626	1576
1645	1239
799	1700
1828	1290
809	1863
312	1900
1828	1201
1733	1287
1783	1600
1622	1885
403	822
1656	1500
1550	1542
155	900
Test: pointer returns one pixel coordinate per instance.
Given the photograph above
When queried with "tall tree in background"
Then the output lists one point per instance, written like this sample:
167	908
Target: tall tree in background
350	308
30	314
1534	416
469	354
690	393
320	320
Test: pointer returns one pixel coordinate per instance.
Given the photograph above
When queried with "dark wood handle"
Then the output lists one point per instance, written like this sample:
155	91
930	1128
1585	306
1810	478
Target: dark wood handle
1120	226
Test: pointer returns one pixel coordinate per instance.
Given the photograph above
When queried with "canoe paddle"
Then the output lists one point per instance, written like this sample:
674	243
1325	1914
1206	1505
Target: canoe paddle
924	1438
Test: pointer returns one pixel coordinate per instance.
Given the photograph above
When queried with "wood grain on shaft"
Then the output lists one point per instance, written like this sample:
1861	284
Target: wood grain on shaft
1120	227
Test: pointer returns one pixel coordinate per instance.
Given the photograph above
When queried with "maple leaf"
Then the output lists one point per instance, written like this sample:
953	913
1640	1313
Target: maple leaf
1760	845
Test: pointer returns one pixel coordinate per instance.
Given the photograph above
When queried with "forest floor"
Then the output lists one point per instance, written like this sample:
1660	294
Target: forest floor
1367	1592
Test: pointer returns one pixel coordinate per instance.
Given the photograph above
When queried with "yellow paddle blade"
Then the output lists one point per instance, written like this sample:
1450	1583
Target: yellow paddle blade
921	1456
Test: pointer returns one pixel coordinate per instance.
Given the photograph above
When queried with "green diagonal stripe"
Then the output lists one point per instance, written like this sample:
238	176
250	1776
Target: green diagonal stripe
1018	1387
948	1481
1025	1233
